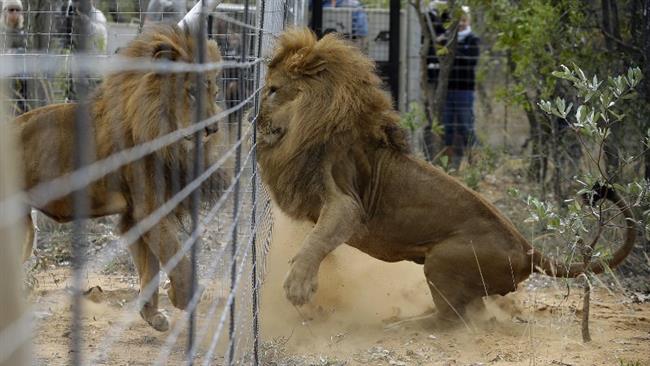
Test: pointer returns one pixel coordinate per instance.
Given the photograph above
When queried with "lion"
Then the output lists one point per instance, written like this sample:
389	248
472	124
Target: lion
331	151
130	108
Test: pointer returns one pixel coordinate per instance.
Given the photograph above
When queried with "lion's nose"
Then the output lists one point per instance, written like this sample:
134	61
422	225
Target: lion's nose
213	128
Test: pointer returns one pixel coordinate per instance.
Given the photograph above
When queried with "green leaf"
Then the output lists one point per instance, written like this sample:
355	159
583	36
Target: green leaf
513	192
618	117
631	95
581	74
568	109
545	106
618	187
581	114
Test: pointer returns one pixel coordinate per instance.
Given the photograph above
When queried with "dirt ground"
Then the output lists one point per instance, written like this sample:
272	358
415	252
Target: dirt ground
361	310
362	314
365	312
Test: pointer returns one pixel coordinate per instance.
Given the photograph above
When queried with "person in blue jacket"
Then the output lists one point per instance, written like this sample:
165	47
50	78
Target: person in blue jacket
359	31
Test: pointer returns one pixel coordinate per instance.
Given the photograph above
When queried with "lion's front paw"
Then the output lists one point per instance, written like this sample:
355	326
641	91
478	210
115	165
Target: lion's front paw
301	284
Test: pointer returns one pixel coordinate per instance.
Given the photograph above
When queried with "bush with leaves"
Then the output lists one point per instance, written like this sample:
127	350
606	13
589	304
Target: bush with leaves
587	228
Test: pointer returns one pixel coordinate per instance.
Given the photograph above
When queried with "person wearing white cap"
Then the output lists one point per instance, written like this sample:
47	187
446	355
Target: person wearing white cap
13	39
12	35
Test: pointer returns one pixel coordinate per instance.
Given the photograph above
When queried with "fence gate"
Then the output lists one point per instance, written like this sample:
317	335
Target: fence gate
165	151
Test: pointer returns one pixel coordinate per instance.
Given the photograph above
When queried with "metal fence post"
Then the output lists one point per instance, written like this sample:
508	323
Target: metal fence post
236	198
255	284
82	152
316	23
195	202
259	22
393	49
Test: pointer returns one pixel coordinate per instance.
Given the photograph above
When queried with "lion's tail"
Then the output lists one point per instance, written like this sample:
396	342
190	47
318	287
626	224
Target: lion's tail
548	266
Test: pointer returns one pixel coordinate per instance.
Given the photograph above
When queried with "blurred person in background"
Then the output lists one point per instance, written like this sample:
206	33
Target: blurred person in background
458	115
359	31
171	11
458	111
437	16
96	22
13	36
13	39
75	19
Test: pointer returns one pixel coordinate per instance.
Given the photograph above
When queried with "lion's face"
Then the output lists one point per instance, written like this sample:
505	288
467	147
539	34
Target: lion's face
316	88
186	111
278	104
166	100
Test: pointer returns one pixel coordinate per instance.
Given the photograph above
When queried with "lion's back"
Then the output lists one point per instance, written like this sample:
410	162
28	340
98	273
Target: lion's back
47	139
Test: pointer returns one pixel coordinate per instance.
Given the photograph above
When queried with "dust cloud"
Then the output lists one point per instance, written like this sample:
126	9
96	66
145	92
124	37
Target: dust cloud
357	295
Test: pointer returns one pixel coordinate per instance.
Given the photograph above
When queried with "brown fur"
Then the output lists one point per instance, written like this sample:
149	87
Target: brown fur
130	108
331	151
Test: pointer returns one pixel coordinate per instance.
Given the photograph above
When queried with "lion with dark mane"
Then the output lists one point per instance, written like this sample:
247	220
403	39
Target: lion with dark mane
331	151
130	108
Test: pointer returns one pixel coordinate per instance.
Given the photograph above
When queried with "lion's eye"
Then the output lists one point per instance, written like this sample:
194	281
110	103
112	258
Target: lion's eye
272	89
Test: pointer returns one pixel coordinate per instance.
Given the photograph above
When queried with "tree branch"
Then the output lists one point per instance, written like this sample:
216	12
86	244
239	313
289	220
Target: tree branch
622	44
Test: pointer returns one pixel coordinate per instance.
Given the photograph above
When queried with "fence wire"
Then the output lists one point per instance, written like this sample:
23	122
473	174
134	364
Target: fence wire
60	53
62	50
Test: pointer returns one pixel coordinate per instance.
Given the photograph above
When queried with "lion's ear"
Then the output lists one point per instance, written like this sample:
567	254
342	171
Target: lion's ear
306	62
165	51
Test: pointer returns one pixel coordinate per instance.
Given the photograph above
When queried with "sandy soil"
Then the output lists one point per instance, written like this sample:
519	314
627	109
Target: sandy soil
362	314
105	311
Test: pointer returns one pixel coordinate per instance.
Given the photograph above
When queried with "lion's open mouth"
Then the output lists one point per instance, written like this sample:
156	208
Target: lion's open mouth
207	132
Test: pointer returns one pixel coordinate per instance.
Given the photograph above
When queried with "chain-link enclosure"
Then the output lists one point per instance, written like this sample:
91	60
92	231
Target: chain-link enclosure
147	146
135	229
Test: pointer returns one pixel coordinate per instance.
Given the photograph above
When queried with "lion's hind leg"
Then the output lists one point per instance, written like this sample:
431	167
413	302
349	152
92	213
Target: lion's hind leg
148	269
461	271
454	282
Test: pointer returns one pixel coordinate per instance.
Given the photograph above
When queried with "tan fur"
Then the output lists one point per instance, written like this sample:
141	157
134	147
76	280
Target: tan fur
128	109
331	151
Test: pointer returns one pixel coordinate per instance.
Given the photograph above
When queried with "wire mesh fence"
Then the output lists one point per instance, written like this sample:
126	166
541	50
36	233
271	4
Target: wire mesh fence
137	133
150	133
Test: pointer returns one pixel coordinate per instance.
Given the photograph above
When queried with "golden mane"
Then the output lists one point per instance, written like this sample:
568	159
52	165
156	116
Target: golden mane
352	103
128	89
143	104
322	102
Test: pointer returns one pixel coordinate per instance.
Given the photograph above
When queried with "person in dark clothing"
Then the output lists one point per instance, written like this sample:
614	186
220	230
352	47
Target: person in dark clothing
458	112
436	21
458	115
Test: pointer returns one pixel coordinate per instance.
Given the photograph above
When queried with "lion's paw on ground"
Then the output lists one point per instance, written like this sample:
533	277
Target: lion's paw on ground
300	285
